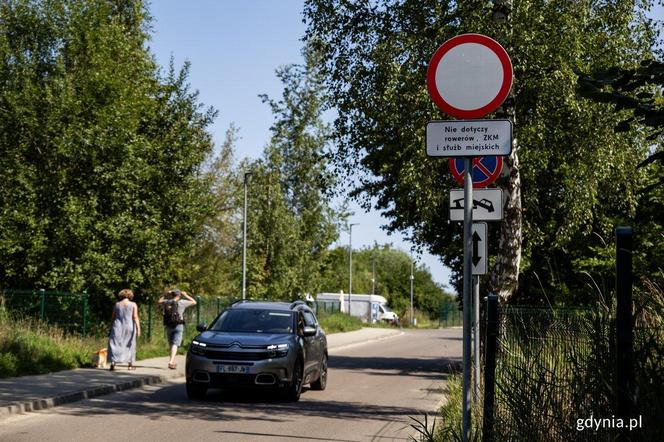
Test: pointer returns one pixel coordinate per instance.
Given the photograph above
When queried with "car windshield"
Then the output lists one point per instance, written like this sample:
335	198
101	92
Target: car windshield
254	321
387	309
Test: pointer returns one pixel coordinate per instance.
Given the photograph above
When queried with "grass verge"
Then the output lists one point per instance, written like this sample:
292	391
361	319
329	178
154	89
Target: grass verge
30	347
339	322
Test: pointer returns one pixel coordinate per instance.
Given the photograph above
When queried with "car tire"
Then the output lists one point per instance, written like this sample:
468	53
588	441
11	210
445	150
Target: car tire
321	382
295	387
196	391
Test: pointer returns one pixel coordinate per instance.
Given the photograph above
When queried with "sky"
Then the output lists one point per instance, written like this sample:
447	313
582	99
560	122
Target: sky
234	48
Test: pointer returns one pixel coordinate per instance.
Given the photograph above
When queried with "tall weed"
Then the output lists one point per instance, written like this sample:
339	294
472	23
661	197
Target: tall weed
28	346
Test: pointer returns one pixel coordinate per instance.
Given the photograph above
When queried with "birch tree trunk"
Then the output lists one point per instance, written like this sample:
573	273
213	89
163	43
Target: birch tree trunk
505	274
504	278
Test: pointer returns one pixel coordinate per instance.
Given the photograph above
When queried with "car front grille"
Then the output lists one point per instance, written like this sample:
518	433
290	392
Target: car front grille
238	355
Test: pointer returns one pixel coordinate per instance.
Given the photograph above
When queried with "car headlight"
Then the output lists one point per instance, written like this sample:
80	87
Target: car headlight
278	350
197	347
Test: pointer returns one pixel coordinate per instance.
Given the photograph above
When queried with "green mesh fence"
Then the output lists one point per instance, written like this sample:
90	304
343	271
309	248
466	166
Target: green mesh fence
67	310
323	308
550	372
449	315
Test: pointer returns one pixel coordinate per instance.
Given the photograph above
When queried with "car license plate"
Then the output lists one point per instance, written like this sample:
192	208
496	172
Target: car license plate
232	369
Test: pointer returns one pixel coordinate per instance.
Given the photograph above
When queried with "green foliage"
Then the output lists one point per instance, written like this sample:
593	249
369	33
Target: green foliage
30	347
576	173
213	264
101	154
291	222
637	89
392	278
425	433
449	426
339	323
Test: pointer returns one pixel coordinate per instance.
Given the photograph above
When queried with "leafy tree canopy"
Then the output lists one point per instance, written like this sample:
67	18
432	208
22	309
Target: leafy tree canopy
573	169
291	219
390	269
101	154
637	89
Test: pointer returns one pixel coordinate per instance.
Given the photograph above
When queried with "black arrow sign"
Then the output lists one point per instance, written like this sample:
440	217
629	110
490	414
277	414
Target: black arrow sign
476	240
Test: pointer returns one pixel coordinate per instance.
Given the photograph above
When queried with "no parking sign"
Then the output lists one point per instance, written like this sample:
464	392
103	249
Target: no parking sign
484	172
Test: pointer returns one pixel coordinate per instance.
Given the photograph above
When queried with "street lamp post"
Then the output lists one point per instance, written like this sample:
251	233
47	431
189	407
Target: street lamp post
244	239
373	275
350	262
412	320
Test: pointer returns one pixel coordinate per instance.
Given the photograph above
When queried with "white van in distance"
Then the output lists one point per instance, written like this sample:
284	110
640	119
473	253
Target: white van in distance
369	308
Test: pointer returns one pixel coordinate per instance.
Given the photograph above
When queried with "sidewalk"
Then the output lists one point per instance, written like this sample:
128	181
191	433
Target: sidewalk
29	393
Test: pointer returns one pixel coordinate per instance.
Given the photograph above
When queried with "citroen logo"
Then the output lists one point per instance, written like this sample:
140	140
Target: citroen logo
235	344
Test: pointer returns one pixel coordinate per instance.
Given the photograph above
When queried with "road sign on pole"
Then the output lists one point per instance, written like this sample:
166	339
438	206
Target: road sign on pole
487	204
468	138
479	249
467	287
485	170
469	76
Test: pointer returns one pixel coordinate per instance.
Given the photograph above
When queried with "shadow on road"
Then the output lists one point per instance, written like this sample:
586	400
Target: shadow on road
156	403
220	405
169	400
391	366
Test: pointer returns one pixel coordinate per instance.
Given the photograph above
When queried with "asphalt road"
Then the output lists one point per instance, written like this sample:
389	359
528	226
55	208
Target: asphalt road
372	390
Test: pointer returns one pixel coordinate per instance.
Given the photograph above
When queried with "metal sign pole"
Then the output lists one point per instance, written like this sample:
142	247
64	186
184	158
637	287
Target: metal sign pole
476	335
467	287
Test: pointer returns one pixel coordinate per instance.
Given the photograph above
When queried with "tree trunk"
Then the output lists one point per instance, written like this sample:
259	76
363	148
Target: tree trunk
505	274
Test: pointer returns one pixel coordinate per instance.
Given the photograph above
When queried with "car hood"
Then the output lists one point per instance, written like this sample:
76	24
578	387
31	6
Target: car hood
227	338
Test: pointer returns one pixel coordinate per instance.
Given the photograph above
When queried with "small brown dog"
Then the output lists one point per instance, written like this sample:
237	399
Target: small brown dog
99	358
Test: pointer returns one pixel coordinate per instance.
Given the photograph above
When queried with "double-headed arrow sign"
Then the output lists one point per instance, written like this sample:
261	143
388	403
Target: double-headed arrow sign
479	249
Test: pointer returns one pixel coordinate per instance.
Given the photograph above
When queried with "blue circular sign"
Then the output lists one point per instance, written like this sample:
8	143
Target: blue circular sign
485	170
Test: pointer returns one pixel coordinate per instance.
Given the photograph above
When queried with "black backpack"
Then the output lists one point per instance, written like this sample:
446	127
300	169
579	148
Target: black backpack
171	316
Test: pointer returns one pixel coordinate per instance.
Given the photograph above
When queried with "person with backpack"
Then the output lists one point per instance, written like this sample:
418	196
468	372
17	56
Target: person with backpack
174	306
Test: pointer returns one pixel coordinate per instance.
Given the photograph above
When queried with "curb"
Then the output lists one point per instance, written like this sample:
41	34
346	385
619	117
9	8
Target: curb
94	391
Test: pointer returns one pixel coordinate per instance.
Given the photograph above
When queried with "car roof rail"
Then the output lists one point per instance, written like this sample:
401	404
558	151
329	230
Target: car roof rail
297	302
239	301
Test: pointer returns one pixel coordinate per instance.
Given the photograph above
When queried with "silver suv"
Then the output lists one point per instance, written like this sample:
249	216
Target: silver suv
272	345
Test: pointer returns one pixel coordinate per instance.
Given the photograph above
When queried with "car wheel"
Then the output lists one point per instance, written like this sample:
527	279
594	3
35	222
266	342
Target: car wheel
321	382
195	391
295	387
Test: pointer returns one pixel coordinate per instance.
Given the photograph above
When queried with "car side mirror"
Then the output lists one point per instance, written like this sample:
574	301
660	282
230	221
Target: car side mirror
201	327
309	331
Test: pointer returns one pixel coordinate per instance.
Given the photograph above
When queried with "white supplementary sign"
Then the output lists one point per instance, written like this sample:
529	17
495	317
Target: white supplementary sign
487	204
469	138
480	254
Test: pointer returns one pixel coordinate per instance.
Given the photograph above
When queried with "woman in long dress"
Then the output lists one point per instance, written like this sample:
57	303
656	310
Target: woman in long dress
125	328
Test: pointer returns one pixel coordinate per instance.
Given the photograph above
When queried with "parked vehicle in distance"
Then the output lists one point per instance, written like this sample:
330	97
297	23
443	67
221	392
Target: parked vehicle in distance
369	308
266	345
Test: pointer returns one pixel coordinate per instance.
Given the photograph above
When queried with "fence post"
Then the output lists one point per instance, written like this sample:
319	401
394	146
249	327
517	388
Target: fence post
85	311
490	367
625	397
42	304
218	305
198	310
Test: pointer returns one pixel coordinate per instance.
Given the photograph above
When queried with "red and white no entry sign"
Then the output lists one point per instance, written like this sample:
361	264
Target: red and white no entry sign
469	76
